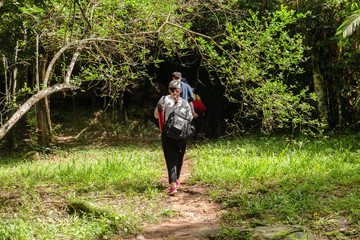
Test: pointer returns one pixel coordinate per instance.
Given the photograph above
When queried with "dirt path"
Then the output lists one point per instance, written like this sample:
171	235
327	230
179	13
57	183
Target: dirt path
194	211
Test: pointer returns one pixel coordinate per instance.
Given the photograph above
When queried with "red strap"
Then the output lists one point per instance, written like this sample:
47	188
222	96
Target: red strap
161	118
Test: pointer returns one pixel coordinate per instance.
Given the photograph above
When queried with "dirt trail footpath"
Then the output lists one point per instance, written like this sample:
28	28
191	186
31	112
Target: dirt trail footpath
195	212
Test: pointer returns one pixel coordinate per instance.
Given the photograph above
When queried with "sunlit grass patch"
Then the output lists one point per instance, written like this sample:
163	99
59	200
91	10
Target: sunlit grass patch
243	160
36	195
276	179
107	166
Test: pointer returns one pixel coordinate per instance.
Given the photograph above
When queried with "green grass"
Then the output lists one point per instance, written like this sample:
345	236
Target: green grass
258	181
273	180
107	166
36	195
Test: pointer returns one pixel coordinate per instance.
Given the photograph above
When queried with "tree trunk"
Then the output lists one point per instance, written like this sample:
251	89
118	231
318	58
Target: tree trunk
43	120
319	88
11	93
122	109
9	141
338	98
44	136
7	90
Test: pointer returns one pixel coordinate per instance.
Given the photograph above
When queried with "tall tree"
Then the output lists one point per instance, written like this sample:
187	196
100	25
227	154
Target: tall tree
348	58
318	30
11	35
352	21
262	59
113	42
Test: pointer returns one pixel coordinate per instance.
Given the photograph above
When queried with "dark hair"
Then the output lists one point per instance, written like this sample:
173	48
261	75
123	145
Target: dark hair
176	75
175	94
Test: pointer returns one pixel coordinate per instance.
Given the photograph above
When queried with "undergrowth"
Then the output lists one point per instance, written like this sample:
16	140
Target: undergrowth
120	184
110	192
278	180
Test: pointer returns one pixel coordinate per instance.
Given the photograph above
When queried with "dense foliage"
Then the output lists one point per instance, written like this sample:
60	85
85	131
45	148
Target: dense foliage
259	52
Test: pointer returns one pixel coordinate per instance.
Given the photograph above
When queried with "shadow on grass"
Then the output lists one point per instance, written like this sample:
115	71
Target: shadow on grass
10	161
123	188
322	204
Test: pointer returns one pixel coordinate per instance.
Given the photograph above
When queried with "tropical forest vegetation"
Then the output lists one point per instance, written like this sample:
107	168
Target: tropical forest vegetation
80	148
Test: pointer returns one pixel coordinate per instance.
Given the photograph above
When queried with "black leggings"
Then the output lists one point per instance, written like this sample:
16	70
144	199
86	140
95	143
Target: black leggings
174	153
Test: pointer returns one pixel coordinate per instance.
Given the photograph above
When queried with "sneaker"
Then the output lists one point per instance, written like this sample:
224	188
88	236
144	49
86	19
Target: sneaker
172	191
178	186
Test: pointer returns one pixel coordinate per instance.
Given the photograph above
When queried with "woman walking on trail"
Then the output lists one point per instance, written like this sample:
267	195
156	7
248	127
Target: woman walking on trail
174	150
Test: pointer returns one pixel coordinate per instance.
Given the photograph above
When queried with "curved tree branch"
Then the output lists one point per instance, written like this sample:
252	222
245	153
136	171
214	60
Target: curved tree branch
30	102
41	94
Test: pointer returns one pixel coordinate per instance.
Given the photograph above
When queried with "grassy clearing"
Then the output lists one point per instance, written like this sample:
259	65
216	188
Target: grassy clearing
89	193
115	189
272	180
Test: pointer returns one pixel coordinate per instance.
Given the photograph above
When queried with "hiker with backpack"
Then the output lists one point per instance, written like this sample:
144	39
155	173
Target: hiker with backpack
174	116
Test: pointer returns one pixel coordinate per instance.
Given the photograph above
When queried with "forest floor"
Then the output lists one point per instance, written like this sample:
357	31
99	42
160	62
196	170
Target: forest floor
194	212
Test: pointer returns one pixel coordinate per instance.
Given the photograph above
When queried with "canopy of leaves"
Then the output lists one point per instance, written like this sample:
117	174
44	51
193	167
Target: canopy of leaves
252	56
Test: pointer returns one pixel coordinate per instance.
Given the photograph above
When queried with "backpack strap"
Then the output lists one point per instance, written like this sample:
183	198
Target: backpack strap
161	111
183	103
162	102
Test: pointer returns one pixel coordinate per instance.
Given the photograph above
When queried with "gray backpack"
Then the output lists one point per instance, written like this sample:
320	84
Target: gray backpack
178	126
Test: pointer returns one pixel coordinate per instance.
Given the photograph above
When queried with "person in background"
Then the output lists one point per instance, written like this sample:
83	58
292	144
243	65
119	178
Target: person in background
186	91
173	150
196	96
200	109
